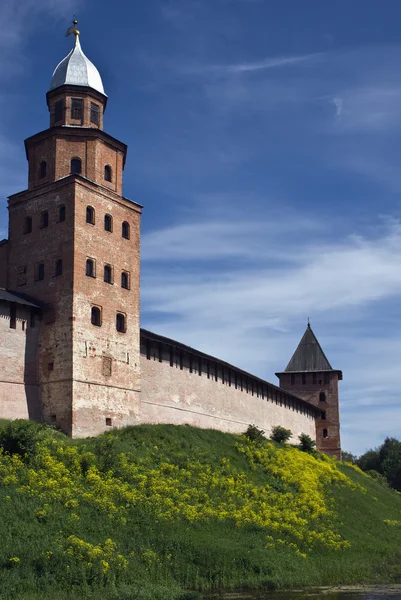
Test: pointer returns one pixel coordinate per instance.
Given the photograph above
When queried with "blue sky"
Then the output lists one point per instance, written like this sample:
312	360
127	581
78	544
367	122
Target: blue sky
264	143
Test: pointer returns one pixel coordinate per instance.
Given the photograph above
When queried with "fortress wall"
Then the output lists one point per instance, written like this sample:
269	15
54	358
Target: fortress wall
19	392
174	392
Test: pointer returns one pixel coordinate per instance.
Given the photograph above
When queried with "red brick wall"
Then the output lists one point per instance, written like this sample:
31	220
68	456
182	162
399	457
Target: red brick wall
311	392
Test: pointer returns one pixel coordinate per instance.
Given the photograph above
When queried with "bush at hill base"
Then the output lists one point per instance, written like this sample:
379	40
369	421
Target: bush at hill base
151	511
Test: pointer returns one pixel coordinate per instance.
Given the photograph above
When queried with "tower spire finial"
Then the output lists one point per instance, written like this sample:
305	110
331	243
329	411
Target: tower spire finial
73	29
308	323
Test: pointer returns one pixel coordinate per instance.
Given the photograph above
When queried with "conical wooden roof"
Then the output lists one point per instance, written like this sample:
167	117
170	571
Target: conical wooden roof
309	355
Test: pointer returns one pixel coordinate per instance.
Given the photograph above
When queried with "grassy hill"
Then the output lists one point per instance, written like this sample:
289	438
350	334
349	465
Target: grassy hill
149	512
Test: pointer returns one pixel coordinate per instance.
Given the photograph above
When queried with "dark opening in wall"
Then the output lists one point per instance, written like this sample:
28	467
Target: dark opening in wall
42	169
107	276
90	267
322	397
13	315
303	379
108	223
59	267
40	271
314	378
95	113
76	166
327	378
77	108
121	325
125	230
58	110
96	316
325	433
107	173
292	379
90	215
61	213
28	225
323	415
125	280
108	422
50	366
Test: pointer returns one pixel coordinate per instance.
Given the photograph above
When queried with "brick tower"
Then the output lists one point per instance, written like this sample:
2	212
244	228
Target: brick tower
74	246
310	376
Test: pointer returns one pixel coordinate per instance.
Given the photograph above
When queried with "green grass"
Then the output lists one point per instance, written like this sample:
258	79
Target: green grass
168	558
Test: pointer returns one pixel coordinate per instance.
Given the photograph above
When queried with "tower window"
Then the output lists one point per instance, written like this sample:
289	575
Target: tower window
327	378
42	169
61	213
121	323
108	422
76	166
58	110
125	230
107	173
90	215
325	433
314	378
95	113
40	272
28	225
303	379
90	267
108	223
77	108
323	415
125	280
13	315
322	397
108	274
96	316
59	267
44	219
292	379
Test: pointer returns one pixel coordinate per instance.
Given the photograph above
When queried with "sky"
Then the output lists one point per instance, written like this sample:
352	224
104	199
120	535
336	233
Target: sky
264	143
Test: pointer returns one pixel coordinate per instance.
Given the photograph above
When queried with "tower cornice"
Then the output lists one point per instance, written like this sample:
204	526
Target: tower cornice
77	132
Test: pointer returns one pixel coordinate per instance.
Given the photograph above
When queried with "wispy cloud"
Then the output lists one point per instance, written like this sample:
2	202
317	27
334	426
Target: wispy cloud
252	66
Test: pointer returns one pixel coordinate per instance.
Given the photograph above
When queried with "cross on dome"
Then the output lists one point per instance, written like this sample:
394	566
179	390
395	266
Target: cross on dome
76	68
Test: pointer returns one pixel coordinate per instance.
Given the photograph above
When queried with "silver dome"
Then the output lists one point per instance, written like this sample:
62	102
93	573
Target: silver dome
77	69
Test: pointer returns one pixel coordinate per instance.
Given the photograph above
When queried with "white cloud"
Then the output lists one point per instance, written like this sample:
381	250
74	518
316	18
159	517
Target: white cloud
258	65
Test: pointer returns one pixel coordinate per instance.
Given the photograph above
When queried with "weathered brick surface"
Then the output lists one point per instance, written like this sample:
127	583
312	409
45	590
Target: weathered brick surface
311	392
3	263
172	395
19	393
86	374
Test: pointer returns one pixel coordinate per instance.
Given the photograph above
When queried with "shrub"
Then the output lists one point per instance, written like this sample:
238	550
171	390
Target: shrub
280	434
21	437
306	444
255	434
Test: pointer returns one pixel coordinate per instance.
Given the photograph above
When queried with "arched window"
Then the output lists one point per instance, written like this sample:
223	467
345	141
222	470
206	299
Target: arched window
107	173
125	230
107	274
59	267
28	225
42	169
44	219
90	267
96	317
125	280
90	215
61	213
322	397
40	271
76	166
120	323
108	223
325	433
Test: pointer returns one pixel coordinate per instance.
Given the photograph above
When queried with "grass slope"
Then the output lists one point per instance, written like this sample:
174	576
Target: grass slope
151	511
